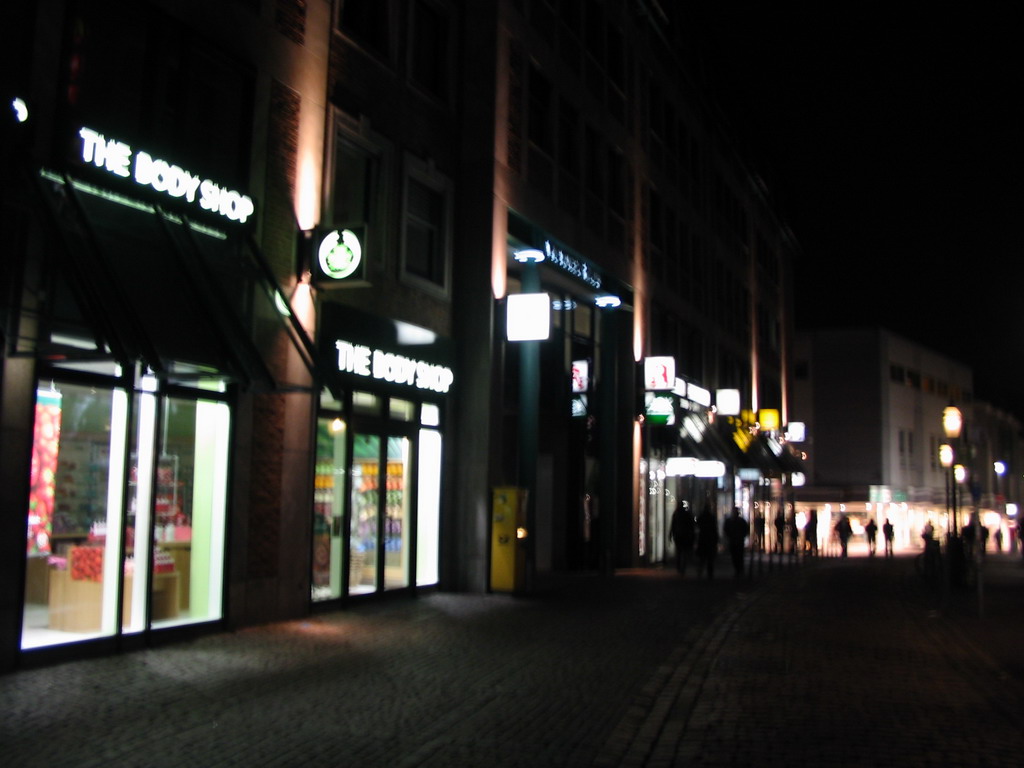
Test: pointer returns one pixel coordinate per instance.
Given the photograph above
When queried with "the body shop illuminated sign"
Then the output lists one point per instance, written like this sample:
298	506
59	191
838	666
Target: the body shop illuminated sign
121	160
386	366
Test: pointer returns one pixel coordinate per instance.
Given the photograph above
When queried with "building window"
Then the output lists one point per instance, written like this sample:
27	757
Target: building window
369	23
430	49
358	191
426	252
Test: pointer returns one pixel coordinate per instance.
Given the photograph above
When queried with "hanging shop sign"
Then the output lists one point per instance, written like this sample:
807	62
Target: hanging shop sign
120	159
378	364
659	409
580	375
659	373
698	395
527	316
727	402
339	256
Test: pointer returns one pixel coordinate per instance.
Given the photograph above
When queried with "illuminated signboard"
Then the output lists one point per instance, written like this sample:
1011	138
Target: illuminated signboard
796	432
339	254
659	373
528	316
728	402
659	409
698	395
768	418
397	369
118	158
571	264
580	375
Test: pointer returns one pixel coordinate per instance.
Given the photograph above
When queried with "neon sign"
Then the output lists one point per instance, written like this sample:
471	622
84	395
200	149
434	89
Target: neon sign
397	369
118	158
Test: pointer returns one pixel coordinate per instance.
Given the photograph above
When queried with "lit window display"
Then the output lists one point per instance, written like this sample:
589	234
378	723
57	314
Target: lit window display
171	520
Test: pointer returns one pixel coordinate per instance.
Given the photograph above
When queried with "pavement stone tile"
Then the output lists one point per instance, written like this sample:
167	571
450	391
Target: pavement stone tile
822	663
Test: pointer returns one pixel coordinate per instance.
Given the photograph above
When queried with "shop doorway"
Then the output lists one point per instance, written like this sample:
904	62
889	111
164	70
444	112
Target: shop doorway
377	496
379	538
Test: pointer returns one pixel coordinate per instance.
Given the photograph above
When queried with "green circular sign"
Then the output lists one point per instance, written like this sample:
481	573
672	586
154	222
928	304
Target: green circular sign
340	254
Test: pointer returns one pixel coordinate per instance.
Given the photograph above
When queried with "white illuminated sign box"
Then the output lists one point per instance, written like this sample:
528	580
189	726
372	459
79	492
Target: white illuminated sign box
680	466
580	375
397	369
727	401
118	158
528	316
659	373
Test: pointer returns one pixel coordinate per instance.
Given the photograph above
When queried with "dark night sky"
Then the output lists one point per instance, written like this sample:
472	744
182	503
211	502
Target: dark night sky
890	136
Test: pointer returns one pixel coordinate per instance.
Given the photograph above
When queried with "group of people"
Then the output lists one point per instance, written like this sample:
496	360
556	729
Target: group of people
685	532
700	535
844	530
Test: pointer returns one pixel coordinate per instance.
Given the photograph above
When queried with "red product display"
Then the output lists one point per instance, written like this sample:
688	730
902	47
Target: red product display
86	563
45	446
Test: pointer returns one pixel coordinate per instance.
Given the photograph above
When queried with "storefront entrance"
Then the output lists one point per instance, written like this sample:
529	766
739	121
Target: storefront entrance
125	526
389	493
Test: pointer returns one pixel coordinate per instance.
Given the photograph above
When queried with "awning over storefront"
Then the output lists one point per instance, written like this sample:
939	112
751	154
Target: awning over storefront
771	457
130	281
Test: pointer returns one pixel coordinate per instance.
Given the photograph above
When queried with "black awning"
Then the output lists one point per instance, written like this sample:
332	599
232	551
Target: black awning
186	299
771	457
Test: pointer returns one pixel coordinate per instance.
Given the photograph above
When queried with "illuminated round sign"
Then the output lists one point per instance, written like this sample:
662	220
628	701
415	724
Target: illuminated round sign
340	254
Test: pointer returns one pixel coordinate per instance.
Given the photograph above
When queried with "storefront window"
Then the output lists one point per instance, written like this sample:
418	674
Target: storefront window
401	410
365	513
428	496
190	511
365	403
397	510
329	508
173	517
74	515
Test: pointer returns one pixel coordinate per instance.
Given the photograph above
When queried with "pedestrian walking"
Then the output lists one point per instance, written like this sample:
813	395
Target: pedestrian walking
794	531
888	534
757	543
736	530
707	542
780	530
844	530
871	531
683	533
811	532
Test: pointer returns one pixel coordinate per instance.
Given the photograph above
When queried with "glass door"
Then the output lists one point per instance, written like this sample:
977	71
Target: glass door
380	541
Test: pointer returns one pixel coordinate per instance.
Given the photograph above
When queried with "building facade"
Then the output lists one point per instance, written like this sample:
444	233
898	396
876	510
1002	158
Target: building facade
266	259
873	404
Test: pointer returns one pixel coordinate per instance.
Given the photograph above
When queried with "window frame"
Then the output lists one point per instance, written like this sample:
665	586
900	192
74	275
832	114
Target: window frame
446	18
426	174
378	231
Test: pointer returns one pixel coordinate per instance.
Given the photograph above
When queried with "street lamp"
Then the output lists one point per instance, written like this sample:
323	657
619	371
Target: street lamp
952	424
946	460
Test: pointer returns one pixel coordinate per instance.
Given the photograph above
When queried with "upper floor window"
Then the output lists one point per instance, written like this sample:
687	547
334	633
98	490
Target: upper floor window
359	190
431	49
368	22
426	252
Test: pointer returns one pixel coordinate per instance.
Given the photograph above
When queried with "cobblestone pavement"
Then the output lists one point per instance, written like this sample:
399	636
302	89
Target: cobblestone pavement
848	662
